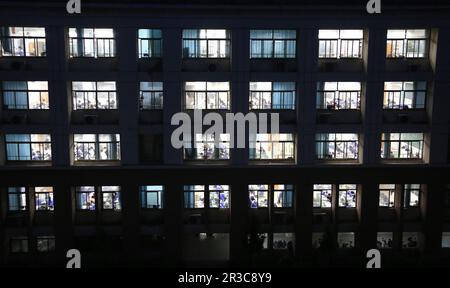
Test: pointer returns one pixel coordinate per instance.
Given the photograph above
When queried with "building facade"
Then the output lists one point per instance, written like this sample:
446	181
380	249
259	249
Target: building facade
360	161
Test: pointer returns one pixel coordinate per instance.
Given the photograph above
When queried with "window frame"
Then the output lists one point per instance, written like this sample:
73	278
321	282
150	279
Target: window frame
387	144
317	189
391	194
144	197
78	204
402	95
273	41
341	189
404	42
346	144
409	190
151	41
338	42
20	195
153	96
321	97
22	239
43	147
272	92
47	240
35	39
256	193
113	193
16	107
197	44
254	144
49	197
207	91
192	148
97	145
113	103
95	44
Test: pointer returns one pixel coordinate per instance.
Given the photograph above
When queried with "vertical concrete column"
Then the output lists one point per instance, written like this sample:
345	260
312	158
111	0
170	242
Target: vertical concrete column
372	100
432	210
367	209
131	221
240	67
173	224
58	95
239	224
63	216
127	91
307	96
173	92
303	220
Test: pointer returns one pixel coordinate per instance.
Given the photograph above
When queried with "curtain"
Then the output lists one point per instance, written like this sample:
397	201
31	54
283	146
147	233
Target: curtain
4	41
15	100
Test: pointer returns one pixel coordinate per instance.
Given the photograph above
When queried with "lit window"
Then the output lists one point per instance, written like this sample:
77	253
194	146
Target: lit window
283	196
94	147
273	43
407	43
44	198
322	195
91	42
317	239
194	196
272	146
207	147
411	195
207	95
22	42
272	95
405	95
337	146
18	244
445	240
150	43
152	197
384	240
85	197
17	199
45	244
258	241
25	95
94	95
411	240
283	241
338	95
387	195
346	239
111	198
151	95
206	43
402	146
347	195
340	43
219	196
28	147
258	196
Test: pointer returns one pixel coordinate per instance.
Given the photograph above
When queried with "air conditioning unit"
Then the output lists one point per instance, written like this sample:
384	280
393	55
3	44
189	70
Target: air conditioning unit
90	119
